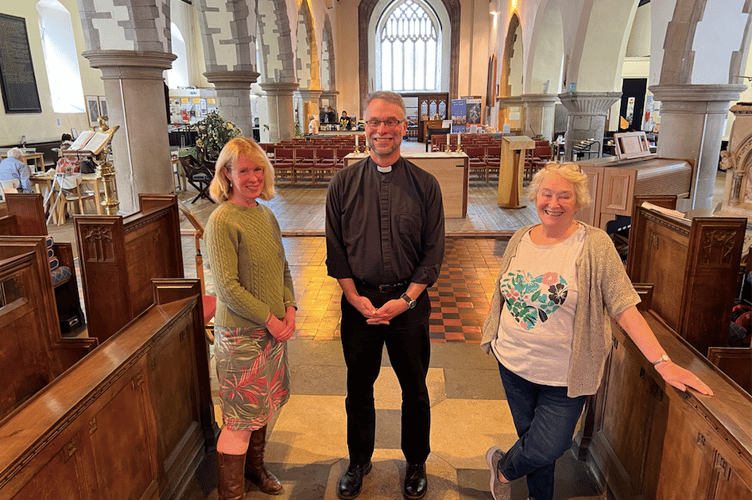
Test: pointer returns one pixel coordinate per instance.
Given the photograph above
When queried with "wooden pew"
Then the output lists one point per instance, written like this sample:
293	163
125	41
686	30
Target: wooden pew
647	440
131	420
736	362
693	265
33	350
120	255
26	218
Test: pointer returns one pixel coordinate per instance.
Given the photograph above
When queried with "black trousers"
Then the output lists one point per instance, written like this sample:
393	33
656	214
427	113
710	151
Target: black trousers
409	348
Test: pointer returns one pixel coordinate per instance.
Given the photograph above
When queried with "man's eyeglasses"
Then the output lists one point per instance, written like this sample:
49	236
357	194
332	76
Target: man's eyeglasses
390	122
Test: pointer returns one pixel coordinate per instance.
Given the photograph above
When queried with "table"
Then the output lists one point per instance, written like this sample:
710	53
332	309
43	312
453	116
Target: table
450	169
43	184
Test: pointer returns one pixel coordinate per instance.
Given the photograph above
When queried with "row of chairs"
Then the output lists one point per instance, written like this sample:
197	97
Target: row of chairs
442	142
317	164
483	161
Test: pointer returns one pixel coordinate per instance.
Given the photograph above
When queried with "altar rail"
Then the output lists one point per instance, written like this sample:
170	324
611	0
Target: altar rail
133	419
120	255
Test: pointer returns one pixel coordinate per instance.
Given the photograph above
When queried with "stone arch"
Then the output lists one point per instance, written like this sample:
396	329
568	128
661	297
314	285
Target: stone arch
695	52
328	65
274	41
307	57
512	44
546	51
127	25
365	38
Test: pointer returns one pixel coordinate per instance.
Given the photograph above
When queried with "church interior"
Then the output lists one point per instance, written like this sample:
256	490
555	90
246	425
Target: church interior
109	385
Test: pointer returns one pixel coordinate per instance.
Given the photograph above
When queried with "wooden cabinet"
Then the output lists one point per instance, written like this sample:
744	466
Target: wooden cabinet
613	184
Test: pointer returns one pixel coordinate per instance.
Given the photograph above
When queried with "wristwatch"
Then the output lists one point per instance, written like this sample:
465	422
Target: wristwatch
410	302
660	360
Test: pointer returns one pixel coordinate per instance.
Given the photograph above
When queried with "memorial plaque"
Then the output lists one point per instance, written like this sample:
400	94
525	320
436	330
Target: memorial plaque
19	86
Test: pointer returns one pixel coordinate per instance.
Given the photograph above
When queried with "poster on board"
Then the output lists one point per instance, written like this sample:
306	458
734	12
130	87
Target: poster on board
459	115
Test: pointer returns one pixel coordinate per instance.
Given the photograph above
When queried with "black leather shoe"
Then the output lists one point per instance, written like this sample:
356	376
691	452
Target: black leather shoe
416	483
351	481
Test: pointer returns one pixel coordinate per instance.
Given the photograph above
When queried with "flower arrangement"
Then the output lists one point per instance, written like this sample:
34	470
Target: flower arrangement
213	133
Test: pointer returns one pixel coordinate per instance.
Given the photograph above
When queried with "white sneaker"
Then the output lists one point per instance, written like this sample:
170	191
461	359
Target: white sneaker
499	490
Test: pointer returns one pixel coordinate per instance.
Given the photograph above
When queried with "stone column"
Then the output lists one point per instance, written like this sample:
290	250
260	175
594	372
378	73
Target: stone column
539	114
234	97
281	111
310	105
693	118
586	116
134	87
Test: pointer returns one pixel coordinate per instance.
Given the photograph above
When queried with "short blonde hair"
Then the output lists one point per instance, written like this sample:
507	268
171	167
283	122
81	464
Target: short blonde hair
220	188
569	171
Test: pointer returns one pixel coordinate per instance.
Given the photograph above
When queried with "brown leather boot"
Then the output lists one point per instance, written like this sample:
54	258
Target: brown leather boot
231	482
255	470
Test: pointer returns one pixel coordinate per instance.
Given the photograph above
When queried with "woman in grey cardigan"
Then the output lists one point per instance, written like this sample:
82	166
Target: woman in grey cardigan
548	327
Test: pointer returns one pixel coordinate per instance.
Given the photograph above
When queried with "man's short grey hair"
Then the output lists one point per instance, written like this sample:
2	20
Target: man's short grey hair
389	97
15	153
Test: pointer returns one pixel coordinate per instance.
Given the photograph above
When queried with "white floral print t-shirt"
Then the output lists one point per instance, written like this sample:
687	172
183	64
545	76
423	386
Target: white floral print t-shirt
537	321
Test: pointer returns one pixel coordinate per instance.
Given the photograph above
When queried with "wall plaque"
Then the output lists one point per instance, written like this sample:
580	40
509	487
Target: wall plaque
19	86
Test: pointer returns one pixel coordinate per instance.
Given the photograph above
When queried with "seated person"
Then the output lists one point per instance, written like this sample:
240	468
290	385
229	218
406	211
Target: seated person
13	168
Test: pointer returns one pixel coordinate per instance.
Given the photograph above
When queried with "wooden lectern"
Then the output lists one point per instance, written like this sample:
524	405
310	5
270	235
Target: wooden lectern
512	168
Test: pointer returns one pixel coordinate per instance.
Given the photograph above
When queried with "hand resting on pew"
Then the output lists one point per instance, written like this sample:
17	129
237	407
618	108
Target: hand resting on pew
639	331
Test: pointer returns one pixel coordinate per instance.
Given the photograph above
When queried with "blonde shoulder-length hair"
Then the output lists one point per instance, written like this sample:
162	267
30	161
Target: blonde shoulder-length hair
220	188
569	171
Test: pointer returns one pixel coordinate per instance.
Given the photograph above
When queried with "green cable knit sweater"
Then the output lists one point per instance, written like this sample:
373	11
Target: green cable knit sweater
247	261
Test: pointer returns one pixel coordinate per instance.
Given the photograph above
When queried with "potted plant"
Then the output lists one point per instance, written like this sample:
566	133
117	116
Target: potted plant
213	133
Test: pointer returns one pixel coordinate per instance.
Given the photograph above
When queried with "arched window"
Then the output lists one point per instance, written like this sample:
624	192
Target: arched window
60	57
408	47
177	75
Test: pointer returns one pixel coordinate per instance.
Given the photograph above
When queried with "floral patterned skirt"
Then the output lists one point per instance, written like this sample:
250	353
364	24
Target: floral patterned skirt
254	379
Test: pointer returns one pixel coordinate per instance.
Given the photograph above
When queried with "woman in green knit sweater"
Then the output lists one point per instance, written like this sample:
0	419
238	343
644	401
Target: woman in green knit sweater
255	314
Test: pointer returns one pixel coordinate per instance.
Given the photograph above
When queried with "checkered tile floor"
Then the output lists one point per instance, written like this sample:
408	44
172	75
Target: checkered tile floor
460	298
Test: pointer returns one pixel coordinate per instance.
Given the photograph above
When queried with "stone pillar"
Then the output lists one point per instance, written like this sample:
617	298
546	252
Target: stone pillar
234	97
539	114
586	116
134	88
281	111
693	118
310	105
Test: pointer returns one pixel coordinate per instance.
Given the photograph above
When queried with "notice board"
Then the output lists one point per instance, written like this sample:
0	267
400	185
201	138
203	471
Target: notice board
19	86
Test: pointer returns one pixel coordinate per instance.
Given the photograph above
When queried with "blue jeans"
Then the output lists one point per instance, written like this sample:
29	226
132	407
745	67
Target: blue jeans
545	419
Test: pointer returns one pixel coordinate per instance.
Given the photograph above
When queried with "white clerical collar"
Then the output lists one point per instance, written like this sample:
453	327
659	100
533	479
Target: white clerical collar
384	170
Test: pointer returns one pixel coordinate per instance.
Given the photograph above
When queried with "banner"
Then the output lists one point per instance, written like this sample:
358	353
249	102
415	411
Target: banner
459	115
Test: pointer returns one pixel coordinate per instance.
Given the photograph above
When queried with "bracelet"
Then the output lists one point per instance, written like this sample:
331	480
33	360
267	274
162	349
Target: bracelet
660	360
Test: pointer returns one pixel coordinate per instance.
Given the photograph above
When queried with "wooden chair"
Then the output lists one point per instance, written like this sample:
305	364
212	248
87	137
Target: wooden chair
477	161
493	160
74	193
284	159
199	176
341	153
305	158
326	161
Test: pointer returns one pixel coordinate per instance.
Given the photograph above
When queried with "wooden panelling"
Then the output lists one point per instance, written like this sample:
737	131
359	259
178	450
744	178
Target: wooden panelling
131	420
653	442
691	263
120	255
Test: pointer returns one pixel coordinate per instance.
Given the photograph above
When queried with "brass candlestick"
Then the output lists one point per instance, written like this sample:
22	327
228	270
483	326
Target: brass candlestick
106	172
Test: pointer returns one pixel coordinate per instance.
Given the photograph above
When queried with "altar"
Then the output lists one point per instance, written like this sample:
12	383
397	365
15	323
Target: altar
450	169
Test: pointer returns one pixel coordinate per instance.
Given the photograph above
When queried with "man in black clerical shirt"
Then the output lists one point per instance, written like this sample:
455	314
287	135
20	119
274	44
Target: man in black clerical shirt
385	245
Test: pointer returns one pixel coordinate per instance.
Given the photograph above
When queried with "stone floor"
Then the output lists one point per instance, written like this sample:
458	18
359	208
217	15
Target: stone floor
307	443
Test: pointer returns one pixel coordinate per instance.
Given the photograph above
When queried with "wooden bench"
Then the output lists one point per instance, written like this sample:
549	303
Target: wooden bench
133	419
26	218
736	362
34	352
120	255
